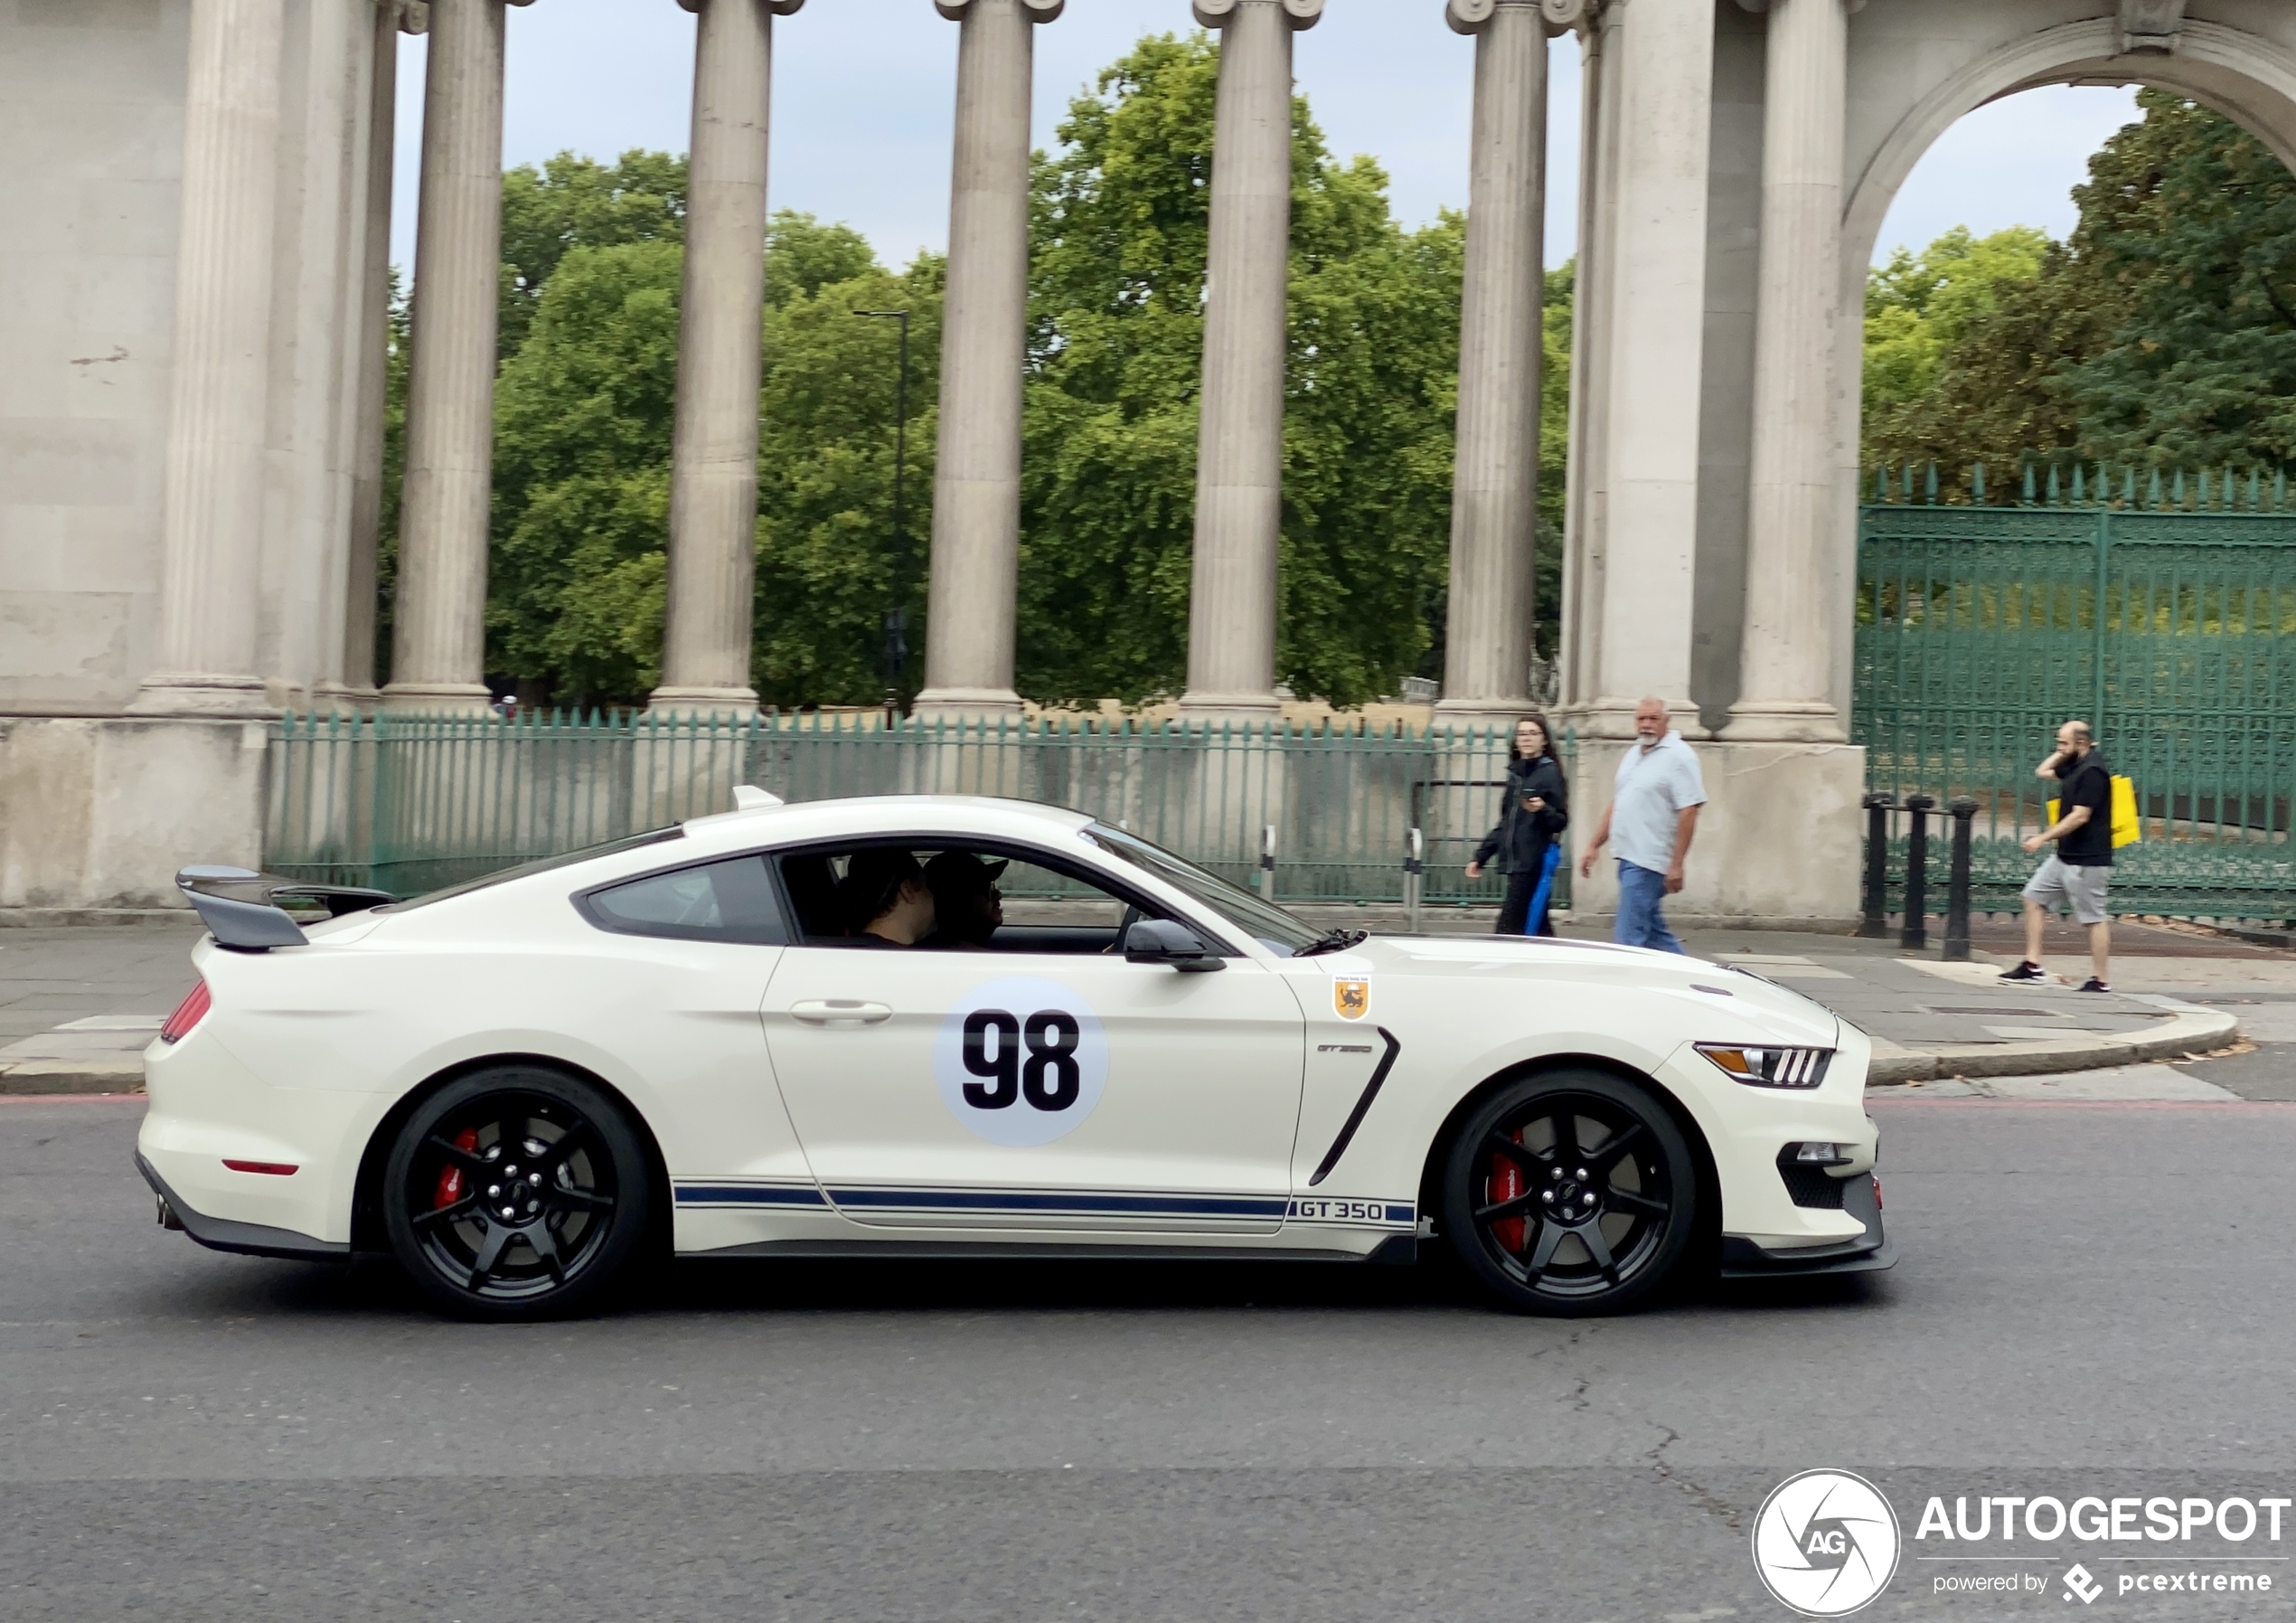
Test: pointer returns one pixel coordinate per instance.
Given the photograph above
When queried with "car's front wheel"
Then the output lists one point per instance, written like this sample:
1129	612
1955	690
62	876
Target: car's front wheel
1570	1192
516	1193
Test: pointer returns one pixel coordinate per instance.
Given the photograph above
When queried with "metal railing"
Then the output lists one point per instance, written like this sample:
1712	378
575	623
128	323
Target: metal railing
2161	608
1321	815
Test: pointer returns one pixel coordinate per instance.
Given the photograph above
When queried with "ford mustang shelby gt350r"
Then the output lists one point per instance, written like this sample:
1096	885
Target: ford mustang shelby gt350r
949	1026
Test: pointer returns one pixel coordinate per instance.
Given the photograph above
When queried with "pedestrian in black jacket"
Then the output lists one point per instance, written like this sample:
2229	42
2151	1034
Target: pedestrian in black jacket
1532	817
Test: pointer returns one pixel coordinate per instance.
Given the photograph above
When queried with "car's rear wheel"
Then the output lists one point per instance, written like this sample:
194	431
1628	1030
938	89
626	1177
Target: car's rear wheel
1570	1192
516	1193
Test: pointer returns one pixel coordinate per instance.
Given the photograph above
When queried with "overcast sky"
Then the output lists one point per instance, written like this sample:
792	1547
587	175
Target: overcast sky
863	92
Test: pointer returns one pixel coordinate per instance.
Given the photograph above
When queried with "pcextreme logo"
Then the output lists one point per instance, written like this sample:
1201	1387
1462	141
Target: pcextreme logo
1826	1543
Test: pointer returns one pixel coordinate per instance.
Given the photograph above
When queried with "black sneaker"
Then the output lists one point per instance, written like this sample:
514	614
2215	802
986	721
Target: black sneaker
2093	985
2026	969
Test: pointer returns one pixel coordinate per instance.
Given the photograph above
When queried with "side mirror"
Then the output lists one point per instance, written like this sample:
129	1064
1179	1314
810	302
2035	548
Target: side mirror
1166	941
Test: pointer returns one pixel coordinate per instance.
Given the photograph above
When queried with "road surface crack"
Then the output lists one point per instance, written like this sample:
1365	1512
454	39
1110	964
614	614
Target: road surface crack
1697	1493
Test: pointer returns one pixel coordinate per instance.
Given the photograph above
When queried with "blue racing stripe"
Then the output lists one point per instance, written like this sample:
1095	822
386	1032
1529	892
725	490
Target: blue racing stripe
972	1200
748	1195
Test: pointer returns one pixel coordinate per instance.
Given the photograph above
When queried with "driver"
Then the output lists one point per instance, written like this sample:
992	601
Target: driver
885	899
967	907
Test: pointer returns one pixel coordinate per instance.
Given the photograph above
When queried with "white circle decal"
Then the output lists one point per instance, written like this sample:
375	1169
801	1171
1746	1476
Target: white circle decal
1826	1543
1022	1060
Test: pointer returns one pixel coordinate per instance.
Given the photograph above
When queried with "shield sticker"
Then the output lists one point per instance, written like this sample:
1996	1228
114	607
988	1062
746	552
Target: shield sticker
1351	999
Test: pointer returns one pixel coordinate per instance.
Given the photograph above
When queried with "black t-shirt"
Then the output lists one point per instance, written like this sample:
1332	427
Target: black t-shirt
2087	782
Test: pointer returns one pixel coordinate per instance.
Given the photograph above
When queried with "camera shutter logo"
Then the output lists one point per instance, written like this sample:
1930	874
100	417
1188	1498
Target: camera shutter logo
1826	1543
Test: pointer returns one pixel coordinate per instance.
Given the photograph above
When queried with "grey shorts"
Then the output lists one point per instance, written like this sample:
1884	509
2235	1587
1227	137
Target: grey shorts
2060	887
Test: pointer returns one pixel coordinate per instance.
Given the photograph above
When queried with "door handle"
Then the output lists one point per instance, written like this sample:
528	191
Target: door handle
840	1011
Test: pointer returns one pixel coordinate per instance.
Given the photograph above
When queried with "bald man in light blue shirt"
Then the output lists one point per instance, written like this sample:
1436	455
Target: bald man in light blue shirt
1653	814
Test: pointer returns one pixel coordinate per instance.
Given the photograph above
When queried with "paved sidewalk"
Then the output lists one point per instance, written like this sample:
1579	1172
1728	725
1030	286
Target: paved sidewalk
1931	1019
78	1005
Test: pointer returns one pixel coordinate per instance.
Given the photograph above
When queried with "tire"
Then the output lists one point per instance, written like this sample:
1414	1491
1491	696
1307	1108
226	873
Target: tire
516	1193
1573	1235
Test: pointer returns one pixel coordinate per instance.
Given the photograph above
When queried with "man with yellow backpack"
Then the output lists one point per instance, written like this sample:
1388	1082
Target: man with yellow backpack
2087	823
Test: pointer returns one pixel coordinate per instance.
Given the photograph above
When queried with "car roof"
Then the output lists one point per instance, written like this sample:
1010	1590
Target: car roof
878	815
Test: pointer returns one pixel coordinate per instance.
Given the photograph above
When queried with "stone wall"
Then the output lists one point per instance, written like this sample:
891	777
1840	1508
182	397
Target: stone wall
91	114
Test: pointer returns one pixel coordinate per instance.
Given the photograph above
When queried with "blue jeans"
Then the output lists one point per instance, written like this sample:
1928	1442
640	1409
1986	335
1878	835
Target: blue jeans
1640	923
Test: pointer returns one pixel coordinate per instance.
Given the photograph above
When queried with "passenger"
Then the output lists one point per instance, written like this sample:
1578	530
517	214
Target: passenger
885	899
967	907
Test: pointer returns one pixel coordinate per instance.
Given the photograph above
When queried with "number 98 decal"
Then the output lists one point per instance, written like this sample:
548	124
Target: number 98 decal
1021	1061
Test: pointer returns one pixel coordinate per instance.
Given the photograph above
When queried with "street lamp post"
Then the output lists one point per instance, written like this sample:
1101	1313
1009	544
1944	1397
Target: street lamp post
897	618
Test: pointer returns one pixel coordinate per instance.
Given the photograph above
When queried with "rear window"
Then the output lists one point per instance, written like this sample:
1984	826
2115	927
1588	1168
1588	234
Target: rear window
733	901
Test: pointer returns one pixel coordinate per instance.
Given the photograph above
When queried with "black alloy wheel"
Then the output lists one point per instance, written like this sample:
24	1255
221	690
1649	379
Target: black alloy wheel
1569	1193
516	1193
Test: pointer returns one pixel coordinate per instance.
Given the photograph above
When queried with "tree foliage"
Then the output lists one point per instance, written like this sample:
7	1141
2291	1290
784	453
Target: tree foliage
1121	220
2161	333
584	414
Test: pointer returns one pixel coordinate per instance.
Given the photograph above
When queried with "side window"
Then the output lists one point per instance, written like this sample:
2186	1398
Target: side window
728	900
972	900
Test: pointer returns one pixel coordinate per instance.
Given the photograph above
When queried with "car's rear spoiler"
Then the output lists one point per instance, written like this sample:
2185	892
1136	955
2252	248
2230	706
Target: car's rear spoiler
241	908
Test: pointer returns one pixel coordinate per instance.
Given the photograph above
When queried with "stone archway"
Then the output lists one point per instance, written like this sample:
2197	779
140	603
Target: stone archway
2247	76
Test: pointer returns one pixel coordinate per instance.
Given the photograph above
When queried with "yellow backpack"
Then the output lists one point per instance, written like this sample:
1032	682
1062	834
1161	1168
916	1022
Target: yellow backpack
2128	827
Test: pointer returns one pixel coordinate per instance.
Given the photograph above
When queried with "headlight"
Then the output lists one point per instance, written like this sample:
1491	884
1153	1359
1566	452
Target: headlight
1770	1067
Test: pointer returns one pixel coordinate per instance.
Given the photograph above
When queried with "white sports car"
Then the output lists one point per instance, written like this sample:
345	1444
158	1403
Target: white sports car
946	1026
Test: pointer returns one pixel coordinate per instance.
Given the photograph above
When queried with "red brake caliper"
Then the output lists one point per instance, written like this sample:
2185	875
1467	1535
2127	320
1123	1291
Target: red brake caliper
1506	1184
450	1180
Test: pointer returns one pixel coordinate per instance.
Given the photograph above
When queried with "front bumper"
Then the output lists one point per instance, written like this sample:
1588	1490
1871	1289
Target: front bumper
1870	1252
248	1239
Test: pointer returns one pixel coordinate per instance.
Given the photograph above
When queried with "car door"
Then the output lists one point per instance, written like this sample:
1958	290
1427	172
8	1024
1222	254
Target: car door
1042	1084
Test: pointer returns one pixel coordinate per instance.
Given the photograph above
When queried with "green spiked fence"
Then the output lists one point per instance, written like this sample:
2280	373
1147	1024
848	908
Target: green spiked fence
2160	607
1320	814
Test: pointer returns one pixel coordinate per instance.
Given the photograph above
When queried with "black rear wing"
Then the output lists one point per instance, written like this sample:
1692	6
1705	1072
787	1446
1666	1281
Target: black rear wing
240	907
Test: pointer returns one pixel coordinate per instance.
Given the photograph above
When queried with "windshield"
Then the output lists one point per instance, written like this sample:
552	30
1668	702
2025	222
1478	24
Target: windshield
540	865
1270	925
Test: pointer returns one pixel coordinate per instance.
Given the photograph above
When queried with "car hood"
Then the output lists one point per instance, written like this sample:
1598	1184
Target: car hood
1780	1012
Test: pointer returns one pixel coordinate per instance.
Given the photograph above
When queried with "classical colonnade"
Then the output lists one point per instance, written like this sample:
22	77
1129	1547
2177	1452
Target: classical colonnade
1635	433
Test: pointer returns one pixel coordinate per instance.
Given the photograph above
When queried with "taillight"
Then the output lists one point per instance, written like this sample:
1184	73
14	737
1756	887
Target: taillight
187	1014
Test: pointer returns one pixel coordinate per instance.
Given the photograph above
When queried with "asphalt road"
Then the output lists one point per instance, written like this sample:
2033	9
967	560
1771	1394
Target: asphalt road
2094	1298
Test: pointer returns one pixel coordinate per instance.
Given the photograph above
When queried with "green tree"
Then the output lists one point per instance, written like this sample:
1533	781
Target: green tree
398	323
1120	232
2162	332
582	425
828	564
1932	329
573	203
2192	222
584	415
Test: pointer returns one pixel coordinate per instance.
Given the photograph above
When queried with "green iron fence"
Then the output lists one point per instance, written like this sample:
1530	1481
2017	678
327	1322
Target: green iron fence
1320	814
2158	607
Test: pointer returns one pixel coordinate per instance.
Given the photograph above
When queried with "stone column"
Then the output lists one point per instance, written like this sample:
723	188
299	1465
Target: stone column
713	468
1657	333
439	644
976	476
1494	485
1583	508
212	517
1785	667
1239	458
390	18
